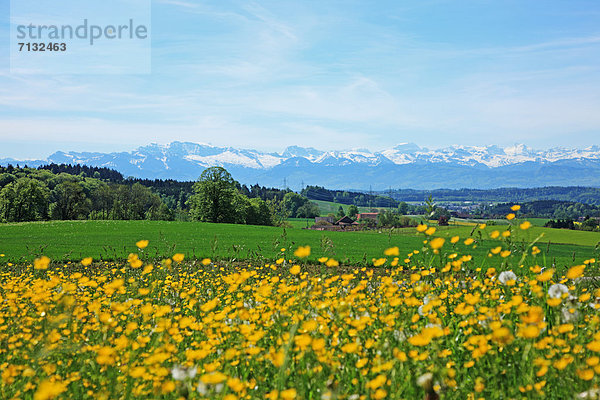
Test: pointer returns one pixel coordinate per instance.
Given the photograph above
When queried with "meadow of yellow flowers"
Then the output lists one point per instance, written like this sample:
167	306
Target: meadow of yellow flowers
432	323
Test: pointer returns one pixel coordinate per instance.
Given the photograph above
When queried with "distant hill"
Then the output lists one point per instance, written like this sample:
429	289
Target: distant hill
404	166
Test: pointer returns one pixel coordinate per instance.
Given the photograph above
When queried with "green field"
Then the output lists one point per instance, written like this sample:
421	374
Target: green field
114	240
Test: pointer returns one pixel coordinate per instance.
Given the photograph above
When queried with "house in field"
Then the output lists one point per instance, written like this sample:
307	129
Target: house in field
329	220
345	221
329	224
367	216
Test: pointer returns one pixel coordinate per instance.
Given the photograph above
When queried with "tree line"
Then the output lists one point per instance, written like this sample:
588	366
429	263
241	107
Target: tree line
66	192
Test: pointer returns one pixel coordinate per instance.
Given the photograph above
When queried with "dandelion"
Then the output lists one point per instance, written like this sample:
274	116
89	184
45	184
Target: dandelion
437	243
557	291
507	278
332	263
302	252
179	373
142	244
421	228
392	251
41	263
525	225
178	257
86	261
510	216
49	390
575	272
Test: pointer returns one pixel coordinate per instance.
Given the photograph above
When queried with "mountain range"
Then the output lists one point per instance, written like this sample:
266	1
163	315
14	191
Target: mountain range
403	166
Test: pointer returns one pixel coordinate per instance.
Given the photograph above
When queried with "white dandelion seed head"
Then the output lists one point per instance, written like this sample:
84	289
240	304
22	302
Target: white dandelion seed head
178	373
569	314
557	290
425	380
202	388
506	276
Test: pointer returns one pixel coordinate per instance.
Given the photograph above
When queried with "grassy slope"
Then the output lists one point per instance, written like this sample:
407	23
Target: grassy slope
110	240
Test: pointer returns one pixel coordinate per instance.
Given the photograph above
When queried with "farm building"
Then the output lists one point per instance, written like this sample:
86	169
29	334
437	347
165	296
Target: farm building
363	216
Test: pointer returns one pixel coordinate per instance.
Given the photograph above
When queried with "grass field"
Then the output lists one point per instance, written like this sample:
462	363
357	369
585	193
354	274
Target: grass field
114	240
447	320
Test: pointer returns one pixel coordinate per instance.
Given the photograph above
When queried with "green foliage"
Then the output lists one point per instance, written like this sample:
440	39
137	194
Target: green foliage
390	219
352	211
297	206
39	194
403	208
218	200
70	201
24	200
214	196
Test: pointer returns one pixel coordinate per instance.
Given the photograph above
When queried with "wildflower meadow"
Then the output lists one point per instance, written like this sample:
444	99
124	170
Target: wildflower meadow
433	323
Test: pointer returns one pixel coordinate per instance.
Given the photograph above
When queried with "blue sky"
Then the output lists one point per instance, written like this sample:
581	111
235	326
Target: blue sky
327	74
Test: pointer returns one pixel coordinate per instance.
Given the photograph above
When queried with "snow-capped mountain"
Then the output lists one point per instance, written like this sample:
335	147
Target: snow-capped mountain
404	166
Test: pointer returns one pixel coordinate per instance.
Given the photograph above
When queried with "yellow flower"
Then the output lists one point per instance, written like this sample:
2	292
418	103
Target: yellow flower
86	261
142	244
421	228
469	241
210	305
178	257
213	378
295	270
529	332
379	262
510	216
206	261
302	252
594	346
575	272
454	239
49	390
430	231
585	374
137	372
302	341
134	261
479	385
516	207
494	234
437	243
525	225
41	263
545	276
288	394
332	263
350	348
496	250
392	251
